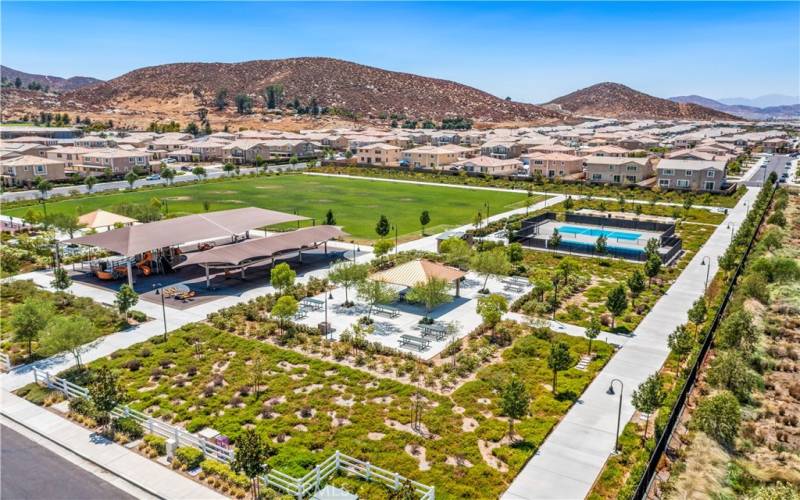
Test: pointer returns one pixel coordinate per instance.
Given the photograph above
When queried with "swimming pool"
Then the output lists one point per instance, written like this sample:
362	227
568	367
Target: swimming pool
611	235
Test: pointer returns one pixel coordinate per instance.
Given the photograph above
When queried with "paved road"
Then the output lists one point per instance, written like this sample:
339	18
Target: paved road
775	163
213	172
32	472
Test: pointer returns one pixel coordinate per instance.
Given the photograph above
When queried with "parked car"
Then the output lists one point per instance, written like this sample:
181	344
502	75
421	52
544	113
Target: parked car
154	177
185	168
168	160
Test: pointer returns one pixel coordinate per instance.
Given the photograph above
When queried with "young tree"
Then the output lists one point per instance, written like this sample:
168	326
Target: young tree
106	393
61	280
567	267
558	360
66	223
131	178
652	267
554	240
697	314
433	293
330	220
68	333
90	181
515	253
601	244
259	162
680	341
382	247
383	227
200	172
568	204
490	263
29	319
284	308
457	252
636	285
221	100
168	174
648	397
44	186
491	308
250	458
375	292
651	248
720	417
616	303
347	275
738	331
730	371
126	298
515	403
228	168
424	220
282	277
293	161
592	331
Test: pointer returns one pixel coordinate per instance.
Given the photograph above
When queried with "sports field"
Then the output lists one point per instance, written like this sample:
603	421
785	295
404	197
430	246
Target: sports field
357	204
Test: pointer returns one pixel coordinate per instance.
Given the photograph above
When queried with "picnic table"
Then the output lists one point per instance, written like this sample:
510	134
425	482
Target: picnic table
435	330
419	343
515	280
311	303
510	287
386	310
300	314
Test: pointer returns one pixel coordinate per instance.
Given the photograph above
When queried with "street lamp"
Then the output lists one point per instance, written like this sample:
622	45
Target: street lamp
610	392
708	269
731	226
157	287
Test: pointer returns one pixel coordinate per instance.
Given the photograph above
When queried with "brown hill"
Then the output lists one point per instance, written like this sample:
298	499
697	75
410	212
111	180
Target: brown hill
55	83
618	101
181	89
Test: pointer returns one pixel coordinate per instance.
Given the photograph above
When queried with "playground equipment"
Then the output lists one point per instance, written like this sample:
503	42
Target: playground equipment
145	266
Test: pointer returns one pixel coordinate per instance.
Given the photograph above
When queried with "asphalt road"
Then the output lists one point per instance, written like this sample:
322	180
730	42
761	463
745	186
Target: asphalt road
213	172
30	471
775	163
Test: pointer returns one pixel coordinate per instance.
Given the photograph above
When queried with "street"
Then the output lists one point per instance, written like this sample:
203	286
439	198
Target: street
775	163
32	472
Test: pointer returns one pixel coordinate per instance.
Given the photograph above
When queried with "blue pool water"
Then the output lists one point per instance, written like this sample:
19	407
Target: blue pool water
611	235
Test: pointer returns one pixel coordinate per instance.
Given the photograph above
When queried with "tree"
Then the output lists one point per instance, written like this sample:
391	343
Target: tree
567	268
636	285
66	223
651	248
199	172
228	168
375	292
244	104
554	240
680	341
382	228
457	252
697	314
730	371
282	277
90	181
68	333
250	458
259	162
221	100
106	393
192	128
601	244
348	274
330	220
168	174
490	263
648	397
720	417
652	267
61	280
125	299
284	308
491	308
273	95
29	319
17	82
424	220
558	360
406	491
515	403
432	294
131	178
616	303
592	331
44	186
382	247
737	331
515	253
293	160
568	204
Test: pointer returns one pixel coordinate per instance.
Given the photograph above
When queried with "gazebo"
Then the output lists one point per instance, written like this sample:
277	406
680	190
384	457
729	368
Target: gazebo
418	272
101	218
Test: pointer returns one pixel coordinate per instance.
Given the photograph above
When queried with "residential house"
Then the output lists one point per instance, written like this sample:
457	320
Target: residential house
617	170
382	154
33	139
502	149
552	148
553	165
245	151
92	141
24	169
11	149
208	150
691	175
71	156
119	161
609	150
435	157
488	165
440	138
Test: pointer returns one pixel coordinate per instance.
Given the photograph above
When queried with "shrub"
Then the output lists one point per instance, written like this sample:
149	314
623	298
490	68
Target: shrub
137	316
158	443
133	365
720	417
82	406
129	427
190	457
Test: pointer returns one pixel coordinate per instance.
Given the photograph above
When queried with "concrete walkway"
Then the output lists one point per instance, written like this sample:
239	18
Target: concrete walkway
566	465
154	478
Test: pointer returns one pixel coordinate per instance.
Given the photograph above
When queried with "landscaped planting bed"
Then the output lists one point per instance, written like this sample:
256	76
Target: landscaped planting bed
308	408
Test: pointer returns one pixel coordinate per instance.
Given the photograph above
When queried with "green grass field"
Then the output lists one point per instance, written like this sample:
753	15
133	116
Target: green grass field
356	204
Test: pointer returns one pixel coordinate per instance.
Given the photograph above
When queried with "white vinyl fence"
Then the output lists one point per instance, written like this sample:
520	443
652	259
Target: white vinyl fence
297	487
5	362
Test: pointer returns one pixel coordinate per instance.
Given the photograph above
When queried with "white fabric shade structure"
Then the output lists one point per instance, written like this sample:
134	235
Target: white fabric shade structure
102	218
419	272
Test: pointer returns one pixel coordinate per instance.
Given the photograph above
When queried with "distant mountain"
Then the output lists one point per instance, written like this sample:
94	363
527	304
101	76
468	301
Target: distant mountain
55	83
618	101
764	101
749	112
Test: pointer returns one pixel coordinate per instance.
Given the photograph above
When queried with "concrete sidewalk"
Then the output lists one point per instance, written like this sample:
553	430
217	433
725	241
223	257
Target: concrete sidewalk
575	452
156	479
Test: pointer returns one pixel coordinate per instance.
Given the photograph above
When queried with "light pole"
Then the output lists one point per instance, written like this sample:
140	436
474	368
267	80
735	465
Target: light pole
157	287
610	392
328	295
731	226
708	269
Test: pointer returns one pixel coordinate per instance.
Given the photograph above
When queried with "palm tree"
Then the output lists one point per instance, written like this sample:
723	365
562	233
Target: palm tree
131	178
90	181
44	186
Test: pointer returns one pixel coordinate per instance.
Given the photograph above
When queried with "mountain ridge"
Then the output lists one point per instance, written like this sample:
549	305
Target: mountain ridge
55	83
748	112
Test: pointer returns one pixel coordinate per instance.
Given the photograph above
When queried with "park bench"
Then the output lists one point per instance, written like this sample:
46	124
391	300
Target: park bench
435	330
419	343
313	304
391	312
513	288
300	314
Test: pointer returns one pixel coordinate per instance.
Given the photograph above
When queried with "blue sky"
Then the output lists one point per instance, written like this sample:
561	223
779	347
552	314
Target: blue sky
530	51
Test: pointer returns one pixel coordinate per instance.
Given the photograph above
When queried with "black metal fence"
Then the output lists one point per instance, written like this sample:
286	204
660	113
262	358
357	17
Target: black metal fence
677	410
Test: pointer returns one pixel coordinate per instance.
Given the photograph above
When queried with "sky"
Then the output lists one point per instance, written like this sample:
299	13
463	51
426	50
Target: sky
531	52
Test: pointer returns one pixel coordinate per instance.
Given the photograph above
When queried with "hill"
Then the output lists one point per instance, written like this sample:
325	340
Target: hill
749	112
618	101
55	83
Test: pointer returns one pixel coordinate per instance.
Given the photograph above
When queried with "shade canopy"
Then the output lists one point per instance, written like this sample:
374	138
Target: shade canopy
250	250
418	272
133	240
101	218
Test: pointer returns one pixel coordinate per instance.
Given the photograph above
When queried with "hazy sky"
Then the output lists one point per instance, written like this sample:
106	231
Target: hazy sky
529	51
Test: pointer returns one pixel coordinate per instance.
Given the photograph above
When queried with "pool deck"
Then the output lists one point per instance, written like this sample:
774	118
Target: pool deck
546	229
